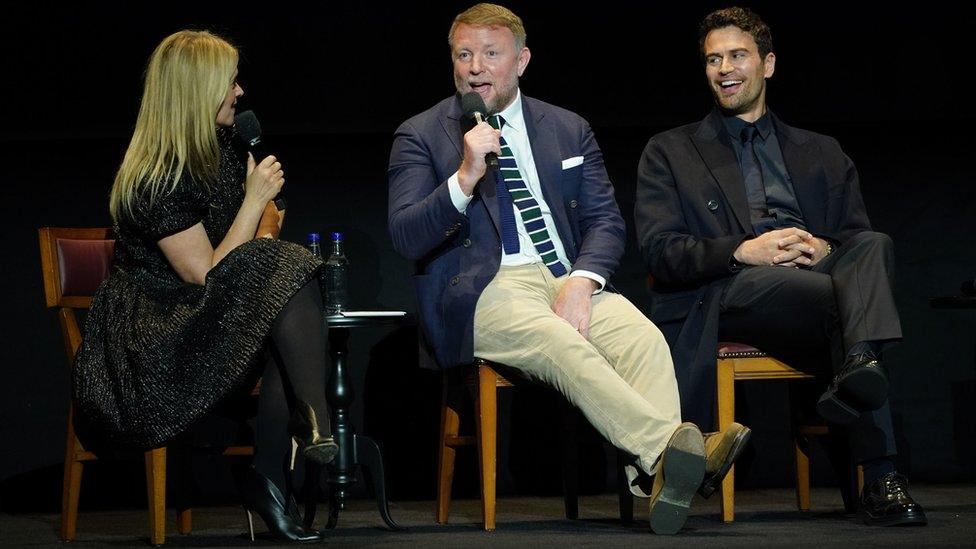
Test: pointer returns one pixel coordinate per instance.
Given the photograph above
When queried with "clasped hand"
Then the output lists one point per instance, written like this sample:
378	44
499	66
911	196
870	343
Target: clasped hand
789	247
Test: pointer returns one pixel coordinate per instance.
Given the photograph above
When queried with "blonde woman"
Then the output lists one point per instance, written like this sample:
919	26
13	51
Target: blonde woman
195	306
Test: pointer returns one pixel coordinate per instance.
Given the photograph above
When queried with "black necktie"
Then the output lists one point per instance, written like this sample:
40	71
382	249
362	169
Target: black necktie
752	175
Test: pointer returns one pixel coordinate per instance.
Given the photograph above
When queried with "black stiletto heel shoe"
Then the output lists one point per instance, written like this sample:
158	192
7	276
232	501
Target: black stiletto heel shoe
261	496
305	427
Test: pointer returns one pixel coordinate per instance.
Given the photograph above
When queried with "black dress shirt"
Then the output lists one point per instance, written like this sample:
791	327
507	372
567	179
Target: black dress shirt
782	209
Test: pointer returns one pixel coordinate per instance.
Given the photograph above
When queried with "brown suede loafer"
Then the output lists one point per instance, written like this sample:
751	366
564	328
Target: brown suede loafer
680	470
721	451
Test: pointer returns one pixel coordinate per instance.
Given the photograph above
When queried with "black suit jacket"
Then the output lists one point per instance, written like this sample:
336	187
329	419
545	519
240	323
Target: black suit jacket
692	214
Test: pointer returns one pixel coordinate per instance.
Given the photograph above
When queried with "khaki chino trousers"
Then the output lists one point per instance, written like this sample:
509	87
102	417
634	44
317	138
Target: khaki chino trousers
621	378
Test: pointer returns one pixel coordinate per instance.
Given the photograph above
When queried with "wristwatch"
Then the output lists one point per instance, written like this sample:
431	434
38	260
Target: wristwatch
735	266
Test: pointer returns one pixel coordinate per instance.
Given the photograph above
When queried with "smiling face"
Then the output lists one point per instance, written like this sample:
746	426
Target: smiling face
736	73
225	114
487	61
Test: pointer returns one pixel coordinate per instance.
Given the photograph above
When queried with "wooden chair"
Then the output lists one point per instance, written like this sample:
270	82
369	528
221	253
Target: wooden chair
74	262
740	362
485	381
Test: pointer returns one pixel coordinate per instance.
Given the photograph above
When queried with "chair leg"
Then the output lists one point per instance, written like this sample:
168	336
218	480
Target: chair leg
801	450
570	464
487	422
726	414
179	460
860	480
450	423
156	490
184	521
71	489
625	498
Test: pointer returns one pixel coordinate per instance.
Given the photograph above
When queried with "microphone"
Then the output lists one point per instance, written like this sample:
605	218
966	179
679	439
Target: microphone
473	106
249	131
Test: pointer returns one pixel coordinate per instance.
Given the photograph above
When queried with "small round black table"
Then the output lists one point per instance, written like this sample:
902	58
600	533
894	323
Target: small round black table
954	302
354	450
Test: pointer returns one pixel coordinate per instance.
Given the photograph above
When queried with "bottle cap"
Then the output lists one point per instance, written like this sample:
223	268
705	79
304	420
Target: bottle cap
337	237
313	237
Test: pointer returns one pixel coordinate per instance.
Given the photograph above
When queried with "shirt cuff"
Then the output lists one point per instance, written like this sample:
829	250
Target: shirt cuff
458	197
601	282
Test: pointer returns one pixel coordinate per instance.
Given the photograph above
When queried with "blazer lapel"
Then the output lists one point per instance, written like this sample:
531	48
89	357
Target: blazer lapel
547	155
715	149
800	155
451	122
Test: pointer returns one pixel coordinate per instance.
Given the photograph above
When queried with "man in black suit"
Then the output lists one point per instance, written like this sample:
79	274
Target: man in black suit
755	231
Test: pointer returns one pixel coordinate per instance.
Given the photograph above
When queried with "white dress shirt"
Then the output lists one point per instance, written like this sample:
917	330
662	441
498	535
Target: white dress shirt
515	135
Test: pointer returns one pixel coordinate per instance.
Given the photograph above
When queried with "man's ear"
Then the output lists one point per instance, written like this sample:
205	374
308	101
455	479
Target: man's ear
523	60
769	64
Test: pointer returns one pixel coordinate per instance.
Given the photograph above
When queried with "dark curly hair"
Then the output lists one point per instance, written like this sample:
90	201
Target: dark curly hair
743	18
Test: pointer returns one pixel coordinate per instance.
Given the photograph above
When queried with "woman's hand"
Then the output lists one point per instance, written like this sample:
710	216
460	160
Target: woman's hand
264	180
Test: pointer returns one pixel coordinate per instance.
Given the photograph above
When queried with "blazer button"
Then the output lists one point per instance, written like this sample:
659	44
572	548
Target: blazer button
573	203
466	243
455	280
712	205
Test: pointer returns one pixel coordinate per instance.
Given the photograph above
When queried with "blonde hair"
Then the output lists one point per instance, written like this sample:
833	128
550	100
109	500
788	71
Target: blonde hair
490	15
186	81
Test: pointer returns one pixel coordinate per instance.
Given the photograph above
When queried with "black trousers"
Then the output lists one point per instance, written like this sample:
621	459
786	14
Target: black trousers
810	317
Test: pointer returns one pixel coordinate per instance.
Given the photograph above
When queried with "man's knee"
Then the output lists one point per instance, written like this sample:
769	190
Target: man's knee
871	238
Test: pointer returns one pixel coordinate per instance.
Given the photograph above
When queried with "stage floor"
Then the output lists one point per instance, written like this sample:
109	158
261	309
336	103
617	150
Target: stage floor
764	517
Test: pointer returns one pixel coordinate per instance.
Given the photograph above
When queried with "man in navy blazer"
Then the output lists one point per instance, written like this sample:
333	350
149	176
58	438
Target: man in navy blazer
755	232
513	264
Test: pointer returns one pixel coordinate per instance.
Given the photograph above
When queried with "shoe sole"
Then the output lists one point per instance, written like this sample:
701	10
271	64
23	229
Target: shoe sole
908	519
709	486
865	388
321	453
683	466
834	410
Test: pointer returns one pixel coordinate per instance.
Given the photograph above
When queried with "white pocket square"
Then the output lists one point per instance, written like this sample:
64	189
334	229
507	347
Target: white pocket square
572	162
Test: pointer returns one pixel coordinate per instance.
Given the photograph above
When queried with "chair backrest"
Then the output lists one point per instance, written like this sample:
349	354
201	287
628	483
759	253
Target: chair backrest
74	262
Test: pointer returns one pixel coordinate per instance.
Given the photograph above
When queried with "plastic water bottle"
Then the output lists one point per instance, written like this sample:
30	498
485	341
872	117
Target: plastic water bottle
313	244
336	288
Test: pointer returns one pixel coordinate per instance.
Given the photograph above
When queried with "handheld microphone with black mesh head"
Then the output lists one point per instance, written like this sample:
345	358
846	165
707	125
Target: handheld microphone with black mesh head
249	130
473	106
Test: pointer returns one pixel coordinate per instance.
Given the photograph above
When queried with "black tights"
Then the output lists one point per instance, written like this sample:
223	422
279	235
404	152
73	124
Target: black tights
295	370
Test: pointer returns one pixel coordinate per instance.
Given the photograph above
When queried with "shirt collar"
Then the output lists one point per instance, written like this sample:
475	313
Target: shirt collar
734	125
513	113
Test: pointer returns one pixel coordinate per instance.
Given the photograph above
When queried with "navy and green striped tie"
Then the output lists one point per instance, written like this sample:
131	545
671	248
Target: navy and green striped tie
527	206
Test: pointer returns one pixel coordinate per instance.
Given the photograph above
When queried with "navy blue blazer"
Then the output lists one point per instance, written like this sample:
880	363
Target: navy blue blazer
458	254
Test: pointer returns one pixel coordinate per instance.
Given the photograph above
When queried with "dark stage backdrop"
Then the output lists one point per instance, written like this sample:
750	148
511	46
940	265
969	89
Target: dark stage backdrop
332	81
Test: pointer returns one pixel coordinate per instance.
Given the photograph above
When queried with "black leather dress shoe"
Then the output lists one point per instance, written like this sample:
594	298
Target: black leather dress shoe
886	502
862	385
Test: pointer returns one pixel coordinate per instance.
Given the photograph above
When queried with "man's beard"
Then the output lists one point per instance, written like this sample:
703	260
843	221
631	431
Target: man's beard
740	105
502	100
497	104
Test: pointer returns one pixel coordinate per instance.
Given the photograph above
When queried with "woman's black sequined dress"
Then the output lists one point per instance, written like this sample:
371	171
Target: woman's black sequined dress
158	352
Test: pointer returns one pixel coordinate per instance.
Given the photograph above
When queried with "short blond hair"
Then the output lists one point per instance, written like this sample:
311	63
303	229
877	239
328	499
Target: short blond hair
186	81
490	15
